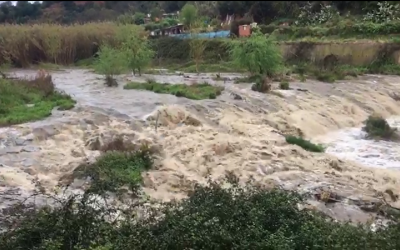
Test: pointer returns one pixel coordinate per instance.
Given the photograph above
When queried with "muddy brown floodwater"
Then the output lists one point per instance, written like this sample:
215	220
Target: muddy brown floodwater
240	131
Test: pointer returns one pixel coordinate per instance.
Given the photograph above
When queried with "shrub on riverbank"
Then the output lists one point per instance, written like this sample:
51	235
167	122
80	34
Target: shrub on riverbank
29	100
198	91
211	218
116	169
305	144
377	127
111	62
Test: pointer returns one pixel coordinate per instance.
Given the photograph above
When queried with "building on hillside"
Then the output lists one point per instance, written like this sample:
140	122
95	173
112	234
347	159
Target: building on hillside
172	30
171	15
244	30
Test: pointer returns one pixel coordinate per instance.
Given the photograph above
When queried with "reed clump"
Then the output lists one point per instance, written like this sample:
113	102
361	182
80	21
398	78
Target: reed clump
25	45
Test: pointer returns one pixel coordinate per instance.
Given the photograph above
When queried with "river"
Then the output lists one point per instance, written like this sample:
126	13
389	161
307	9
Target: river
240	131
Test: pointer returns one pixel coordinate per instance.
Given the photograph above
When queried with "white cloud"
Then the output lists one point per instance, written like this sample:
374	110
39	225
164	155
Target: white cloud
15	2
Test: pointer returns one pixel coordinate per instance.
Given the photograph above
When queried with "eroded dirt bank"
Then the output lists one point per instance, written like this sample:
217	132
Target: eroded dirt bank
241	131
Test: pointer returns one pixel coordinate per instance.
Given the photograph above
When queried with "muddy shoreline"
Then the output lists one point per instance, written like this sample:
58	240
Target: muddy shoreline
197	138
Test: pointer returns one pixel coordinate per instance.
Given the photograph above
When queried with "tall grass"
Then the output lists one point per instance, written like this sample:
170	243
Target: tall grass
52	43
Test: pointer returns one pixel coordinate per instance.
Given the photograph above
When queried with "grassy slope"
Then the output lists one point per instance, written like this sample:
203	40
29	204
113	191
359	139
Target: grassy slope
21	103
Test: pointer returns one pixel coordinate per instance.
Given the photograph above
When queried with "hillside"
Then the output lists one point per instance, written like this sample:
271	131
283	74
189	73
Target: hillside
263	12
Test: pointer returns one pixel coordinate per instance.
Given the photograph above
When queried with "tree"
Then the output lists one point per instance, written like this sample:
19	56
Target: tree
111	62
156	14
172	6
196	43
207	8
258	54
189	15
138	18
136	47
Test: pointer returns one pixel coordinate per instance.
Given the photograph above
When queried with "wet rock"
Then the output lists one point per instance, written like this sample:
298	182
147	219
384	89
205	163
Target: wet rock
19	142
45	132
30	149
341	212
83	125
395	96
155	149
100	119
328	196
93	143
335	165
136	126
76	153
88	121
236	96
30	171
192	121
28	162
29	137
121	116
13	150
390	195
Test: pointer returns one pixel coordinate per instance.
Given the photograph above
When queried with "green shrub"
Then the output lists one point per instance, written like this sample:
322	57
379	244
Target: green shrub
258	55
377	127
135	48
195	91
284	85
305	144
111	62
325	76
116	169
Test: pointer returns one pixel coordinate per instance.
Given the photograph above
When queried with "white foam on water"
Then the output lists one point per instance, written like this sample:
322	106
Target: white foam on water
350	144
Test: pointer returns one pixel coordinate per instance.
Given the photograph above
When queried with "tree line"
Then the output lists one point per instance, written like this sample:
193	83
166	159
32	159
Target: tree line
264	12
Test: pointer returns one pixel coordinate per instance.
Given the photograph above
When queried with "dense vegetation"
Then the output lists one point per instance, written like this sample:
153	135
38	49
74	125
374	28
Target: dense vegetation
123	45
212	217
262	11
29	100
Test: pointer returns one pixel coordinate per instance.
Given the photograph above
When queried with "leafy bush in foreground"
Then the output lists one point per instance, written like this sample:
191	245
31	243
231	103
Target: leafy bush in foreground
211	218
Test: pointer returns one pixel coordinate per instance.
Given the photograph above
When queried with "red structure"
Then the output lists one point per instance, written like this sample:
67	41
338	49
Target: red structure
244	30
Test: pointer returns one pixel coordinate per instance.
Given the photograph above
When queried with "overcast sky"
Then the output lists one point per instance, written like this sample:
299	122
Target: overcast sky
14	2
